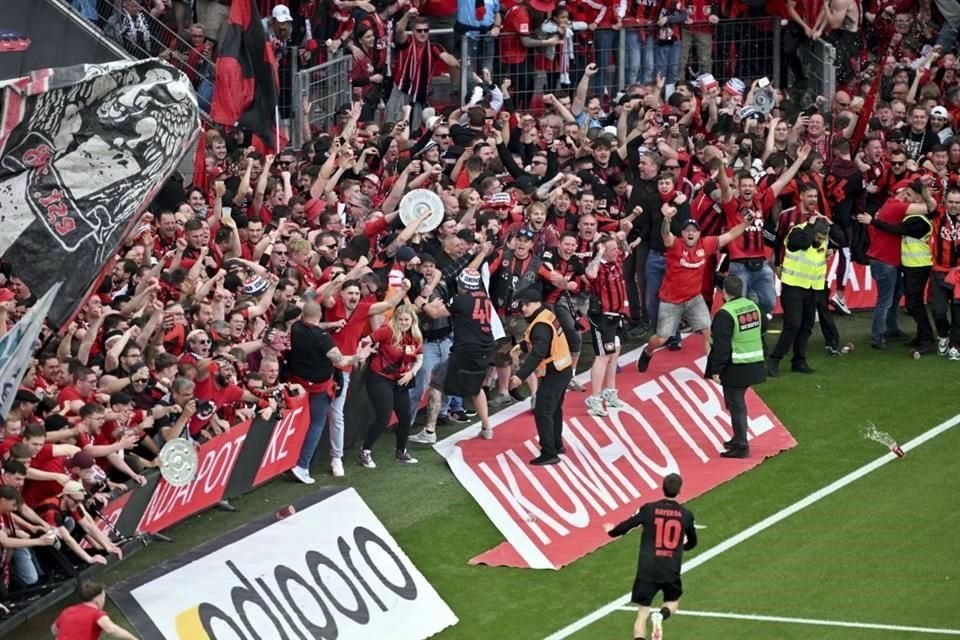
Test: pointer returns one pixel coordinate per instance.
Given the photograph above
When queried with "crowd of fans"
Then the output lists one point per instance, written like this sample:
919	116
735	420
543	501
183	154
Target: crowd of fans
278	275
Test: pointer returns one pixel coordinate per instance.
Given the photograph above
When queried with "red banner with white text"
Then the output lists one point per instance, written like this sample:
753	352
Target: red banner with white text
674	421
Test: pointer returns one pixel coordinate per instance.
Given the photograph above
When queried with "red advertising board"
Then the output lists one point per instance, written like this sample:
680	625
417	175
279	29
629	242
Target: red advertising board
220	461
674	421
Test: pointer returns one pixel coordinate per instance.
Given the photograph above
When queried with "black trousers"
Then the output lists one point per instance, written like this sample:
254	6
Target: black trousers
565	317
548	410
799	312
946	308
387	398
831	335
735	398
634	270
914	291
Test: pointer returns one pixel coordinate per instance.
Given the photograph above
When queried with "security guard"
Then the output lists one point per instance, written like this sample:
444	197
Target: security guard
548	354
803	276
916	262
736	359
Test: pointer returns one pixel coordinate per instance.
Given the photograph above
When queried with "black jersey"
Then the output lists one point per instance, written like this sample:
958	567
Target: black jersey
471	313
665	525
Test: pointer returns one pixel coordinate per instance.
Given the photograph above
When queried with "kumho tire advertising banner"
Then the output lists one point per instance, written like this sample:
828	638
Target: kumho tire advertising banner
673	422
330	570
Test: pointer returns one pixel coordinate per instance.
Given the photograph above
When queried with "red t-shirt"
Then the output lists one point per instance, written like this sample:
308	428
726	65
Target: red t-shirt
35	491
79	622
885	246
516	24
69	394
207	391
347	339
750	244
392	361
684	276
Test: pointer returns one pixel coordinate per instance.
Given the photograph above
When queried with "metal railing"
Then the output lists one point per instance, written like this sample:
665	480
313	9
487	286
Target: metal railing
745	48
158	40
322	89
820	64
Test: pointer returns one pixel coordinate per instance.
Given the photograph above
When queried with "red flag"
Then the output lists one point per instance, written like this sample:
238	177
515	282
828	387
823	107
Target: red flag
245	93
865	114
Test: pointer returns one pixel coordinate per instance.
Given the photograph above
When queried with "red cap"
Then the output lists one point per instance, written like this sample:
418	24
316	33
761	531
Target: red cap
6	295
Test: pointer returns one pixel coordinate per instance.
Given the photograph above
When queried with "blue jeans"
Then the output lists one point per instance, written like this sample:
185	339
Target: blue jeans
336	419
604	40
434	352
889	290
760	283
24	568
641	57
668	61
480	53
319	407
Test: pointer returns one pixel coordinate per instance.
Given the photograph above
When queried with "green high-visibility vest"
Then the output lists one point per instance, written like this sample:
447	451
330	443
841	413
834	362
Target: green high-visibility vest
747	343
916	252
805	269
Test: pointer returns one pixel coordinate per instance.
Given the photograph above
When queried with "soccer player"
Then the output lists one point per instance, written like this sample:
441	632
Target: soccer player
668	531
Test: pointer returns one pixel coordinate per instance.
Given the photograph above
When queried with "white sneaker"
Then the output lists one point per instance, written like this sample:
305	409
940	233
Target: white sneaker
610	396
403	456
656	626
366	459
943	345
840	304
424	437
595	406
953	354
486	434
303	475
336	467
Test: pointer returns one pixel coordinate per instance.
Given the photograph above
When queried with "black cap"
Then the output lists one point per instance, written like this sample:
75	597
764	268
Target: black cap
120	397
467	235
55	422
25	395
528	295
690	222
526	183
526	232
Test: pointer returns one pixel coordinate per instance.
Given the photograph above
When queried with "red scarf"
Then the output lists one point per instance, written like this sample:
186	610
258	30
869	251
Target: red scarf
414	70
667	197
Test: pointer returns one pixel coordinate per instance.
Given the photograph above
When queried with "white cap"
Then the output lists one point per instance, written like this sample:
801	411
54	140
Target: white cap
281	13
939	112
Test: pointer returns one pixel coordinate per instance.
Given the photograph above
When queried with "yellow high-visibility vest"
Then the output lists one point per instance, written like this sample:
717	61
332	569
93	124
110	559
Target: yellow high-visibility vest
916	252
805	269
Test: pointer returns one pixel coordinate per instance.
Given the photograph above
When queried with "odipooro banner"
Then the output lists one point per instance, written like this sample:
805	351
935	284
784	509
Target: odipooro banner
673	422
330	570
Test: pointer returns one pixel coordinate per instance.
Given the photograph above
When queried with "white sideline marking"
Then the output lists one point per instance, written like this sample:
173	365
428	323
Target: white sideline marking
811	621
764	524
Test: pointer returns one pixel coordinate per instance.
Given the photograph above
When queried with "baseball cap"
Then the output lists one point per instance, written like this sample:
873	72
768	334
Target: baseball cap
526	183
80	459
6	295
528	295
25	395
544	6
372	177
405	254
281	13
73	489
470	280
524	232
936	112
690	222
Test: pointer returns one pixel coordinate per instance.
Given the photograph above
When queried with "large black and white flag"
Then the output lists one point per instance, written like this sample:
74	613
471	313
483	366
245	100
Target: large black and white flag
82	150
17	346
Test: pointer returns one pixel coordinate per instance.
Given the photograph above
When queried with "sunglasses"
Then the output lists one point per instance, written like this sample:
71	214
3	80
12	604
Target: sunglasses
202	341
422	30
897	164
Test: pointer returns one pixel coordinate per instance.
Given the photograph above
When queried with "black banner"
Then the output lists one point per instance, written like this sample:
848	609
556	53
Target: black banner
82	150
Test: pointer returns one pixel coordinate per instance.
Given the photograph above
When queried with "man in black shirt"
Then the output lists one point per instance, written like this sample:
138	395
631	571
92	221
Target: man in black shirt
668	531
471	354
310	363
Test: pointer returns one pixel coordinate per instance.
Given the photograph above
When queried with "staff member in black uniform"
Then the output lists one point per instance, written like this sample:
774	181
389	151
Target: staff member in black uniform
668	531
736	359
548	354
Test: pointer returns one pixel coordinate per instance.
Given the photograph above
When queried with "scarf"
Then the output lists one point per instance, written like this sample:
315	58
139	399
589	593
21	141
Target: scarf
414	69
132	26
667	197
